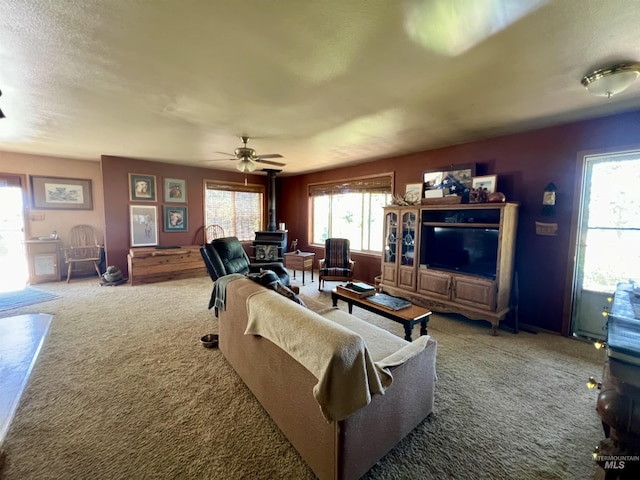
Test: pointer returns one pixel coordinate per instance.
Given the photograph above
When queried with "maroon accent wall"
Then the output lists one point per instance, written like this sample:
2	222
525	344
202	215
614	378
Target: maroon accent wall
525	164
115	177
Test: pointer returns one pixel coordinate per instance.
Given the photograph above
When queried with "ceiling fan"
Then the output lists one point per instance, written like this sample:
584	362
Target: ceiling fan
248	157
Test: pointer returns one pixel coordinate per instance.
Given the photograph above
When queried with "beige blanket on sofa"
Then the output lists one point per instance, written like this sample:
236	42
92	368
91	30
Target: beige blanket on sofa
336	355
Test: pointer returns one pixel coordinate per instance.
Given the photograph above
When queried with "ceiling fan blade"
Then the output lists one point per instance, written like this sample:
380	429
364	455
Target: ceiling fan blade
260	160
220	159
226	153
270	155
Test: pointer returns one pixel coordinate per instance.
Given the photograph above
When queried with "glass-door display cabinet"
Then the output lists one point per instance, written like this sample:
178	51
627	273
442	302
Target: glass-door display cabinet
398	259
390	242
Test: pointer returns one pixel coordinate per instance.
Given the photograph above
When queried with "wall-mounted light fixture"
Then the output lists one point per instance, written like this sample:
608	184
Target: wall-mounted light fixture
549	199
609	81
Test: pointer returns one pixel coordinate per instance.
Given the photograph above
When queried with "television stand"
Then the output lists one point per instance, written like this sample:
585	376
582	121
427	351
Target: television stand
452	258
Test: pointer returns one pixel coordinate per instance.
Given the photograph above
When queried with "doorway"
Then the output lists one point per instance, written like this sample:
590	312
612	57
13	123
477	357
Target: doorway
13	260
608	237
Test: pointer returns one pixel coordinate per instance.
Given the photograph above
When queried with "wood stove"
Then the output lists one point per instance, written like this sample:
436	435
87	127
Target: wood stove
270	245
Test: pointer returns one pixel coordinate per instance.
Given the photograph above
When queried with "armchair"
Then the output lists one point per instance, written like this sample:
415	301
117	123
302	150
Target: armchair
226	255
336	264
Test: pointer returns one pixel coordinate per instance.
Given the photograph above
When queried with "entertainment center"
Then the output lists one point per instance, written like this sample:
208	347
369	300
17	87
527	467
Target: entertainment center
452	258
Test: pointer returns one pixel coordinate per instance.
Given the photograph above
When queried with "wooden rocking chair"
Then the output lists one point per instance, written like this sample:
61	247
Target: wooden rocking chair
83	247
213	232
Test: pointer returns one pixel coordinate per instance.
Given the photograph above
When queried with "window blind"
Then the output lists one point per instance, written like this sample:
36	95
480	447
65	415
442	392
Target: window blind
378	184
235	207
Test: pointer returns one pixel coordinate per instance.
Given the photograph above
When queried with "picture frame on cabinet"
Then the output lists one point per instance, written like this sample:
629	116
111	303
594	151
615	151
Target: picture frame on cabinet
413	193
143	221
488	182
455	178
142	188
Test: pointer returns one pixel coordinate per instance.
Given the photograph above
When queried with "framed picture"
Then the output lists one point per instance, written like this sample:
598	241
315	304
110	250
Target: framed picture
457	178
59	193
175	219
432	180
175	190
144	225
413	193
487	182
142	188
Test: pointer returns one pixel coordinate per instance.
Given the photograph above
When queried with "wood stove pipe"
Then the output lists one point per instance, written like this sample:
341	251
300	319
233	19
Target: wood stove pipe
271	198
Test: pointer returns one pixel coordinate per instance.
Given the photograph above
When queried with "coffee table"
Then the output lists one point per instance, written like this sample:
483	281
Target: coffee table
408	316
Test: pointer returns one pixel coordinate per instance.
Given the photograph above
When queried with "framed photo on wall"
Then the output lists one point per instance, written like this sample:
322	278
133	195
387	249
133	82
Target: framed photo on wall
142	188
175	190
60	193
144	225
175	219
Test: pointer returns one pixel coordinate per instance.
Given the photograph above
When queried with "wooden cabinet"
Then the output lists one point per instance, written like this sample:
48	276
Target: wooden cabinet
44	260
464	259
150	264
400	240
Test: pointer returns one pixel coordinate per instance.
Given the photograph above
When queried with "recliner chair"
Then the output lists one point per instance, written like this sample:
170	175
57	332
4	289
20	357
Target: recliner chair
224	256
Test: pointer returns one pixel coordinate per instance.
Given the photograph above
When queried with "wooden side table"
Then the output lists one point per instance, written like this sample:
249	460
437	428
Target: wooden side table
300	261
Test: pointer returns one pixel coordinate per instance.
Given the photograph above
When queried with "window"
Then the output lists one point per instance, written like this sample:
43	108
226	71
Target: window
611	222
351	209
237	208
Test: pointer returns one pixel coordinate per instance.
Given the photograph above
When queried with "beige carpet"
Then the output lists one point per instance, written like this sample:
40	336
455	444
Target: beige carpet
124	390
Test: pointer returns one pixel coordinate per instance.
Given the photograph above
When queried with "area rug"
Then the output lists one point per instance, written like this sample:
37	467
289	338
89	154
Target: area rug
21	298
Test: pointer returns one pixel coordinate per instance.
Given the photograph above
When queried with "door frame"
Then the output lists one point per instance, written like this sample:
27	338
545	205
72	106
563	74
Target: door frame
24	187
572	257
11	179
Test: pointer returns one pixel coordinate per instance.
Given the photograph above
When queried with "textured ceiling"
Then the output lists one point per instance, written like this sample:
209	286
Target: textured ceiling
324	83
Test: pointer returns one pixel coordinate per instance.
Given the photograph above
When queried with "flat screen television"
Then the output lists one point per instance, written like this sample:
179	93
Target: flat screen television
461	249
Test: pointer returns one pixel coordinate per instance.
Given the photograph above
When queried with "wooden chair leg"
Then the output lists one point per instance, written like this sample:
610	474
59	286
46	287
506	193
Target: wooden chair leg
95	264
69	272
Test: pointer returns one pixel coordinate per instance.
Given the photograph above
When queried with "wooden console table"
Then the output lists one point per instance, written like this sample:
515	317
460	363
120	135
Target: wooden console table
151	264
300	261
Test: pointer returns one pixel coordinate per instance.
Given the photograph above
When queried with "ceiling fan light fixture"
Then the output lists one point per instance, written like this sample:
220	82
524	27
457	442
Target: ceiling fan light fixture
610	81
246	165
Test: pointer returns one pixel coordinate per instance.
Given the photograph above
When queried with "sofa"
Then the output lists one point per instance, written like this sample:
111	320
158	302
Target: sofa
343	391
